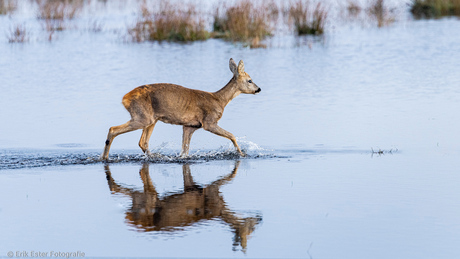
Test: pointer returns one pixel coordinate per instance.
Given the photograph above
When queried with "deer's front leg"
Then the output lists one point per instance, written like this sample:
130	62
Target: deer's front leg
186	137
214	128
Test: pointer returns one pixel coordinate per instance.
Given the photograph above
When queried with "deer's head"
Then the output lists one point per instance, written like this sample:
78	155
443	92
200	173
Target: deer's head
243	80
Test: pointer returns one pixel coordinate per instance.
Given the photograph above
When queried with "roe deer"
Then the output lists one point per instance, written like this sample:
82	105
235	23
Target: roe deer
174	212
174	104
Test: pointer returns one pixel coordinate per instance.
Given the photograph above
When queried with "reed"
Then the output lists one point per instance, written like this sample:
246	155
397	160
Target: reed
308	18
167	21
455	7
55	13
59	9
8	6
18	34
353	8
245	21
379	11
52	25
421	9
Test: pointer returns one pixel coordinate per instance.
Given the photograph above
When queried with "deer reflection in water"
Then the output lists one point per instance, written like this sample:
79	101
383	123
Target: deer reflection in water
150	212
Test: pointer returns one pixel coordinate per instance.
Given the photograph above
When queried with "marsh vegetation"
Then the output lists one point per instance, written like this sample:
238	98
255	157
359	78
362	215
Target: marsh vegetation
378	13
434	8
55	15
8	6
247	22
378	10
18	33
308	18
167	21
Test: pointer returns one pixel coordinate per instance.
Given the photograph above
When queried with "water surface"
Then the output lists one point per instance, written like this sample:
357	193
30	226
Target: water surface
311	187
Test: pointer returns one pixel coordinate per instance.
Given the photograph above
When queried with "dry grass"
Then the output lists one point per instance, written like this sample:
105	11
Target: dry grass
377	12
434	8
166	21
353	8
245	21
380	12
55	13
54	25
59	9
308	18
17	34
8	6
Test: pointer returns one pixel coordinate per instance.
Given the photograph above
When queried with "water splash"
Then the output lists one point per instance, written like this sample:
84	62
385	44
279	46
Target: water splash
249	147
19	159
29	159
225	152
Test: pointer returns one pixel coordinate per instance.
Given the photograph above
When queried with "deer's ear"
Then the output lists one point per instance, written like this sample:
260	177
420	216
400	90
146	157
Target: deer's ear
233	67
241	67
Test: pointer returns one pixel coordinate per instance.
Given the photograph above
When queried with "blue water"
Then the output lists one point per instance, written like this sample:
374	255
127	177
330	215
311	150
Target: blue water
315	184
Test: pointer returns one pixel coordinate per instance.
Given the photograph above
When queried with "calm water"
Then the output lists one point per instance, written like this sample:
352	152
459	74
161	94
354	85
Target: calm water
311	187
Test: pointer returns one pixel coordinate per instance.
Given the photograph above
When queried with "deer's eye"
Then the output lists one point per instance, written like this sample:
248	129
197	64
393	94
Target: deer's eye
250	81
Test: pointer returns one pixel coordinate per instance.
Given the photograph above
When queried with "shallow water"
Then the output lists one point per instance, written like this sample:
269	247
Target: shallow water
352	144
309	205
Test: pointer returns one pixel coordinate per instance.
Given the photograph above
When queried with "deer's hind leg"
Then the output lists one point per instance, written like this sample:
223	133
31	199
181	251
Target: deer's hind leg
144	141
117	130
141	118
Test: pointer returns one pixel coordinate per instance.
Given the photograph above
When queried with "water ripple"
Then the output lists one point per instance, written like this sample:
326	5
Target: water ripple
18	159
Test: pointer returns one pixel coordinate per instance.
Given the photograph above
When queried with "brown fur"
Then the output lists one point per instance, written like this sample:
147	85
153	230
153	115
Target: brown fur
175	104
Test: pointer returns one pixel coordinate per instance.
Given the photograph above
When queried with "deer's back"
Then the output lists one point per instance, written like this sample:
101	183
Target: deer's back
171	103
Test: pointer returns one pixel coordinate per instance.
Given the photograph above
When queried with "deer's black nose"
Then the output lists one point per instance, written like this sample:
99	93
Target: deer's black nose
258	90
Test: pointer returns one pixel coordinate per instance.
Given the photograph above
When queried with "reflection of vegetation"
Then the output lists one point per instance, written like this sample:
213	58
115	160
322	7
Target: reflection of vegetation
308	19
8	6
245	21
434	8
173	22
18	34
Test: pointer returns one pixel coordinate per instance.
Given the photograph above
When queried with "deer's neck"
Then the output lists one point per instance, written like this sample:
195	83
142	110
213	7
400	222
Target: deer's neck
228	92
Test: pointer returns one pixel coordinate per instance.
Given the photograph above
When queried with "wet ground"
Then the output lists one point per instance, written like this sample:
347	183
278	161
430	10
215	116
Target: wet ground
352	148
